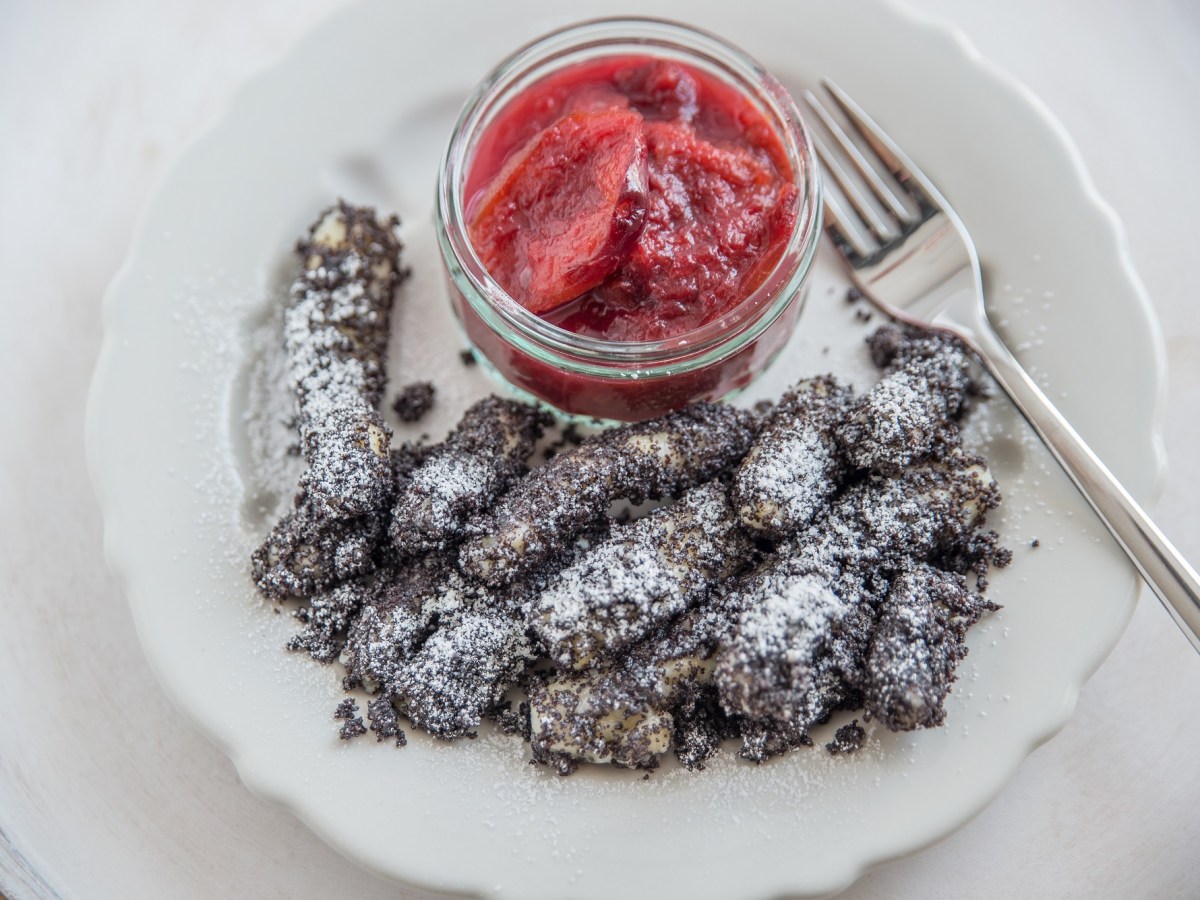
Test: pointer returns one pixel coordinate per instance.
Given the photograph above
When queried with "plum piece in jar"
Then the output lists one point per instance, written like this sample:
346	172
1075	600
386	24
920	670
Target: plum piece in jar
562	214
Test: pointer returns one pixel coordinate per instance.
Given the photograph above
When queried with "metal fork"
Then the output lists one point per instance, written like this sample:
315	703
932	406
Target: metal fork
911	256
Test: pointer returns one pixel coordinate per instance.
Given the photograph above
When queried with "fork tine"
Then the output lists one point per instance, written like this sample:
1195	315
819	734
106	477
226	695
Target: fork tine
839	222
862	206
864	168
889	154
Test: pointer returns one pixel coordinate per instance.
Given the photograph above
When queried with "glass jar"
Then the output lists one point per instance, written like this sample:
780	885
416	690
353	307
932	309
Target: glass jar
627	380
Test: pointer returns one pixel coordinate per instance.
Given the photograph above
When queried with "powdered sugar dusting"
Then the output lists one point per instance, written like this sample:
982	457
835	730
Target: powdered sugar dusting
571	493
335	333
794	465
460	478
641	576
898	421
270	421
794	560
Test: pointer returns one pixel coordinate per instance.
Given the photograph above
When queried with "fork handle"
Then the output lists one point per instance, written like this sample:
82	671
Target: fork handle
1161	565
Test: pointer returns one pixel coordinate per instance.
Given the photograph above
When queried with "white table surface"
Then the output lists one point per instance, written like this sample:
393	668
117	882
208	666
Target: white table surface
107	791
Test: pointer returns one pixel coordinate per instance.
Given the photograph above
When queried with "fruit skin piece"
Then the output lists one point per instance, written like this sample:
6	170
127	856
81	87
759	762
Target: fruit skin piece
660	89
565	210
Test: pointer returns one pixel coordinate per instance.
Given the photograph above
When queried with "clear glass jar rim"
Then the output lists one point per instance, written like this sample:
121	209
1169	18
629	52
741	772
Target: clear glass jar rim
702	345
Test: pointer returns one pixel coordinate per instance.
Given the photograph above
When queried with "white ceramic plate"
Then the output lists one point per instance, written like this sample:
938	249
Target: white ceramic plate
362	107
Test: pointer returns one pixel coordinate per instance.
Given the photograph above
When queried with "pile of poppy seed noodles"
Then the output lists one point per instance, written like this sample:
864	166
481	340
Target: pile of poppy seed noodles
823	554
